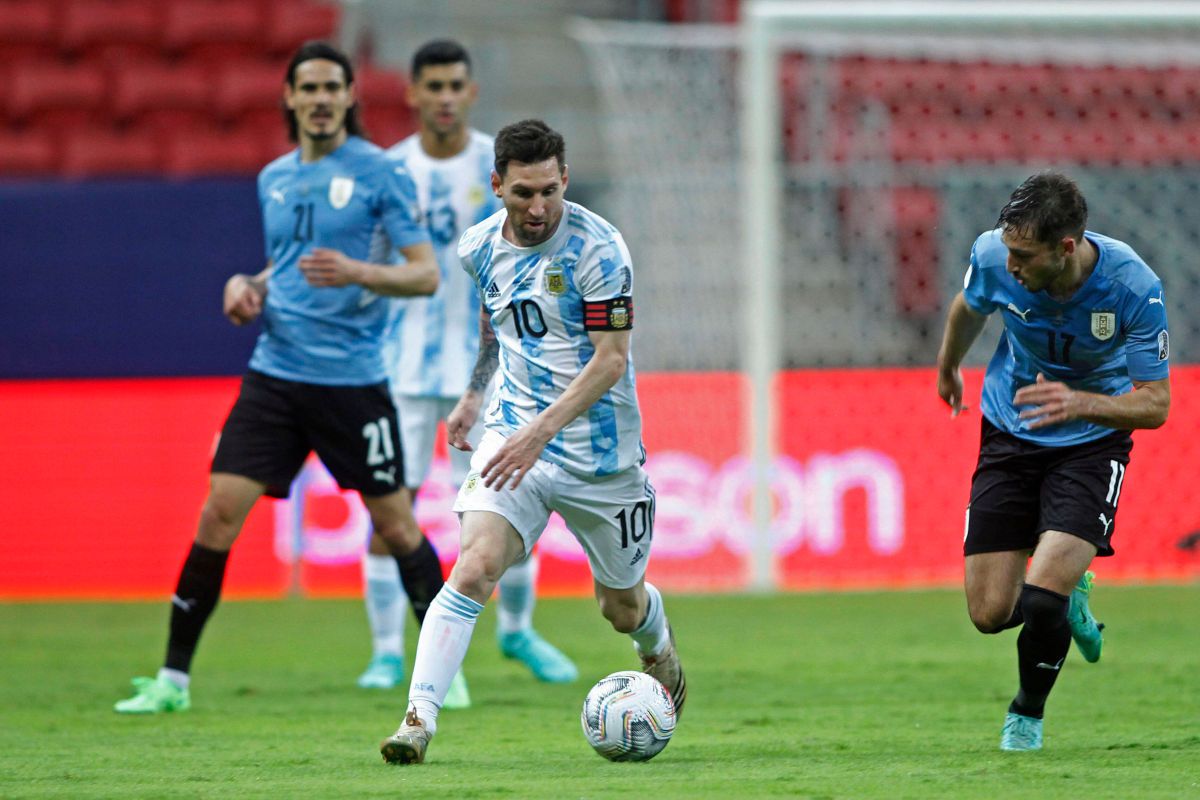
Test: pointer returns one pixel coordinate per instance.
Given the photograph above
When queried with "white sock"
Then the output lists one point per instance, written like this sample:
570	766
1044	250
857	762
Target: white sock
387	604
180	679
445	635
518	594
651	637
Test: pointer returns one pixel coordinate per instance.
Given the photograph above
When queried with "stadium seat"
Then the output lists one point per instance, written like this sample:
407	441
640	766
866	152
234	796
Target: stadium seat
213	153
152	96
213	29
290	24
28	30
46	94
112	31
27	154
249	88
379	87
90	153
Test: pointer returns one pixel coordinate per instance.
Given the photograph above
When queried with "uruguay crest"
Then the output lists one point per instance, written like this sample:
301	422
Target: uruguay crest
556	280
1104	324
340	191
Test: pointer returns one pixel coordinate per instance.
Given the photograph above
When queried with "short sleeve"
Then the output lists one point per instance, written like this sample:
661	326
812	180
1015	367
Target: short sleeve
978	290
262	210
399	209
1147	341
606	272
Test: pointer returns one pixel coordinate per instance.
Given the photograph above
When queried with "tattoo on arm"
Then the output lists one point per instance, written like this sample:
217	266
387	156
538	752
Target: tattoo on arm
489	357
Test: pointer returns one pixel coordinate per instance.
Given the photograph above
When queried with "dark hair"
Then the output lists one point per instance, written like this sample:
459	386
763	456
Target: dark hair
438	52
322	50
529	141
1046	207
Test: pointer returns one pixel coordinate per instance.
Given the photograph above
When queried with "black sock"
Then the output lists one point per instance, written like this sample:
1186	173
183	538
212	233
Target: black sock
1018	616
196	596
1041	647
421	574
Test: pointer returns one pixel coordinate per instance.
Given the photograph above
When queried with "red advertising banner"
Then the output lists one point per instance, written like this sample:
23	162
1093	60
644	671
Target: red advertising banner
101	483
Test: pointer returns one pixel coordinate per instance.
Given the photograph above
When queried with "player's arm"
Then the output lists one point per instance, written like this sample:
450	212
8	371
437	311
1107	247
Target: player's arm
963	326
466	410
1054	403
521	450
419	275
244	295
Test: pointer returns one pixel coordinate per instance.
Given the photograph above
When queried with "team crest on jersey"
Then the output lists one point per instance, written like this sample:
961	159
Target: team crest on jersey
556	279
471	482
618	317
475	195
340	191
1104	324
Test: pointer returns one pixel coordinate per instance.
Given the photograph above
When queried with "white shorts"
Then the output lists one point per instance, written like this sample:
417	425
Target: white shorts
611	517
419	418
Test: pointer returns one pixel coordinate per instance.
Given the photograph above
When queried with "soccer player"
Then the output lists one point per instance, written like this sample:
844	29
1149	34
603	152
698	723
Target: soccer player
563	433
1082	362
432	355
316	380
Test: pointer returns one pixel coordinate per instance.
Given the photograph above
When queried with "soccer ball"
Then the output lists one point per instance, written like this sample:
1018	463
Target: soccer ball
628	716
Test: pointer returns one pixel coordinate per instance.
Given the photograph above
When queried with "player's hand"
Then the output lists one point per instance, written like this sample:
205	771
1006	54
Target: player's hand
242	301
325	267
514	459
1053	403
462	419
950	389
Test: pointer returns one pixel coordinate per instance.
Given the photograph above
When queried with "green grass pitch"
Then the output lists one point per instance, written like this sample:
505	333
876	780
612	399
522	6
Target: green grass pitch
821	696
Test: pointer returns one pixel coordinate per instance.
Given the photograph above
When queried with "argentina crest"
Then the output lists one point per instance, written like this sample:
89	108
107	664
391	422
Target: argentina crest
556	279
1104	324
341	189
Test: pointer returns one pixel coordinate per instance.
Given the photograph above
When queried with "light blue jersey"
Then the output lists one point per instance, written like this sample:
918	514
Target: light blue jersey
1111	332
353	200
432	350
542	300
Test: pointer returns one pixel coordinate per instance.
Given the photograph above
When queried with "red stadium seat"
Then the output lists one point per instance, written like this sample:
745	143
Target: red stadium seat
50	93
28	29
249	88
387	125
290	24
212	153
376	86
112	30
213	29
155	96
27	154
91	153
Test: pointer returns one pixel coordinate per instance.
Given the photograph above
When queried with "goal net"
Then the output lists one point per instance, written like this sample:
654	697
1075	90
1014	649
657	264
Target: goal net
803	189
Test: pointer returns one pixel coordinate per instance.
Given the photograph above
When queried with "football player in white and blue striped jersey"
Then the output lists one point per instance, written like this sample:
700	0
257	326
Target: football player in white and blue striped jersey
1081	363
563	431
431	353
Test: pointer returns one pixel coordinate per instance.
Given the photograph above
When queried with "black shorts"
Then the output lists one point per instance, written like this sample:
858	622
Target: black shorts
275	424
1021	490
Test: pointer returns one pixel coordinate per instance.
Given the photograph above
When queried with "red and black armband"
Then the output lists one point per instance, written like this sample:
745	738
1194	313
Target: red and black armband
608	315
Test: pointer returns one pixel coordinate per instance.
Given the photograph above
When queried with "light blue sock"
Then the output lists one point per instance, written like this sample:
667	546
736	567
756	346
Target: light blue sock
518	595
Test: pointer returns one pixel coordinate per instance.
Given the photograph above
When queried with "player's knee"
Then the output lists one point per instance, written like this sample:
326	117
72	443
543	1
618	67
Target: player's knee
1042	607
476	573
401	538
219	524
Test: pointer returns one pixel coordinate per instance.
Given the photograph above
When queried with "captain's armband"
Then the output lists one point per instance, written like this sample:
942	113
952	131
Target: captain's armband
608	315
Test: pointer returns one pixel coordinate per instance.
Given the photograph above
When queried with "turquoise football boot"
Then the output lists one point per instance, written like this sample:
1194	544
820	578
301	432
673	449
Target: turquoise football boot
545	661
384	672
1021	733
1084	629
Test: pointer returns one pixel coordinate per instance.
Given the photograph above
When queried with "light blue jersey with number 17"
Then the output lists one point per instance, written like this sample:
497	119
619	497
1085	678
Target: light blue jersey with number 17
1111	332
354	200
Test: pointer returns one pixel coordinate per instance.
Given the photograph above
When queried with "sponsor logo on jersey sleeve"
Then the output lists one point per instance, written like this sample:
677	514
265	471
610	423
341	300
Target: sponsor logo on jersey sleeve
341	189
1164	346
1104	324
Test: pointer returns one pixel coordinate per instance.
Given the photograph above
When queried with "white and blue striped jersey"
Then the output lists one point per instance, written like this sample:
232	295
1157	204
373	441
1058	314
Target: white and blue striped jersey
1111	332
433	345
542	300
353	200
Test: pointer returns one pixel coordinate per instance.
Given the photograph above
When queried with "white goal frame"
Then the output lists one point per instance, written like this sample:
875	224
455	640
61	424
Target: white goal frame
830	27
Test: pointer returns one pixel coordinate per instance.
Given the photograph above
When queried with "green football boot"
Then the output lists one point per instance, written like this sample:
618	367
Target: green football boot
154	696
545	661
457	696
1084	629
1021	733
